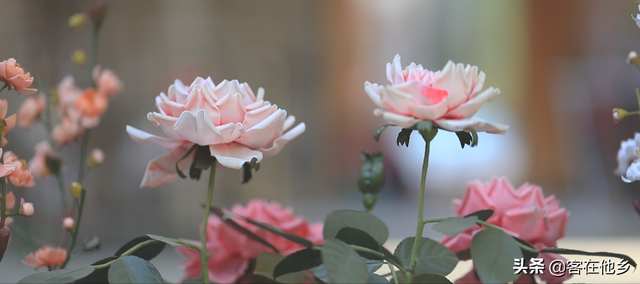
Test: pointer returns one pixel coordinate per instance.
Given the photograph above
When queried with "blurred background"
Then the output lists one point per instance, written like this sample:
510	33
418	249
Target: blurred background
559	64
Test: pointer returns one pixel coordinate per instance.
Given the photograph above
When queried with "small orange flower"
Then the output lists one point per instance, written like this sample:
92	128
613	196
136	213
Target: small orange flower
89	107
21	175
46	256
12	73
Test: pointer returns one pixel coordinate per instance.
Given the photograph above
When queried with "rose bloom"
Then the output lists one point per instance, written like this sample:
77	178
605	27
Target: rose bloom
66	131
12	73
46	256
21	175
524	213
232	250
30	109
10	121
449	97
38	163
235	124
106	82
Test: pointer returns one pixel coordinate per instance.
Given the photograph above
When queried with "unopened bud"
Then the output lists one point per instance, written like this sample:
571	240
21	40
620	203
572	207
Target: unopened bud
619	114
68	223
372	176
96	157
632	58
98	13
76	190
78	20
26	208
79	57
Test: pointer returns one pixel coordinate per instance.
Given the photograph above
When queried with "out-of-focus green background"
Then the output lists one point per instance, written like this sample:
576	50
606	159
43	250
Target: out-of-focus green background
560	66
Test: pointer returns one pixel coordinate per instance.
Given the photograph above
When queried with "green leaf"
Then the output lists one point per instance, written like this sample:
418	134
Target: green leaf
132	269
433	257
98	275
580	252
482	215
403	137
389	256
165	240
297	261
147	252
377	279
246	173
454	226
58	276
203	159
353	236
378	132
373	226
343	264
321	273
527	255
266	264
464	137
218	212
430	279
274	230
493	252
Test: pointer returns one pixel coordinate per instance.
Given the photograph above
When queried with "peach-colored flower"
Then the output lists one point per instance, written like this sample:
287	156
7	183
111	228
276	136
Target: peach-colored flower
522	212
7	168
21	175
10	121
38	163
46	256
236	125
232	250
12	73
30	109
66	131
89	107
449	97
106	82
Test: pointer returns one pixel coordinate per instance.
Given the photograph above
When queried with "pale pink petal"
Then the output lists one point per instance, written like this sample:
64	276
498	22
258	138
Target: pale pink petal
477	124
166	122
4	106
373	90
257	115
397	119
503	195
11	122
264	133
201	99
557	225
470	107
162	170
144	138
453	79
420	92
199	129
6	169
394	71
428	112
396	100
234	155
288	122
529	222
279	143
231	109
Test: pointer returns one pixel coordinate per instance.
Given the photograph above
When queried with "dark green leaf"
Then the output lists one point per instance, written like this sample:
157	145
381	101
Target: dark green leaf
246	173
474	137
493	252
580	252
132	269
372	174
218	212
343	264
180	173
147	252
464	137
58	276
98	275
527	255
203	159
274	230
266	264
373	226
433	257
192	281
377	279
389	256
165	240
378	132
255	278
353	236
482	215
298	261
430	279
454	226
403	137
194	173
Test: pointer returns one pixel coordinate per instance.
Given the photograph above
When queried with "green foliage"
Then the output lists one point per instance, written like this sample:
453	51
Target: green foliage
526	254
377	279
427	130
493	252
343	264
146	252
483	215
366	222
266	264
246	169
403	137
353	236
372	175
272	229
468	137
297	261
454	226
378	132
165	240
99	275
433	257
57	276
132	269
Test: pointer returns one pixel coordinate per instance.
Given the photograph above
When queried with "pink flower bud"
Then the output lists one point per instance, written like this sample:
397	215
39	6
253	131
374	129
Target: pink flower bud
96	157
68	223
26	208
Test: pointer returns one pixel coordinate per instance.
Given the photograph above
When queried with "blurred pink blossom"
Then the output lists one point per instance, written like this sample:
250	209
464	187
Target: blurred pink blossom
30	109
106	82
38	163
46	256
10	121
21	175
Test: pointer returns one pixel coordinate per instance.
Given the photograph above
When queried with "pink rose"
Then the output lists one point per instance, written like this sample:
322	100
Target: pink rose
10	121
232	250
46	256
106	82
236	125
38	163
30	109
522	212
449	97
12	73
21	175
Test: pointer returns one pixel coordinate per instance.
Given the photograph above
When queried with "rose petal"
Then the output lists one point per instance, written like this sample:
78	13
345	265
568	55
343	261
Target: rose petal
397	119
234	155
162	170
283	140
144	138
477	124
470	107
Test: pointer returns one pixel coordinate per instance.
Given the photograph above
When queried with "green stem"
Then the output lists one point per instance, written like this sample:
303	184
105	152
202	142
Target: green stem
63	196
83	155
420	225
74	233
126	253
393	272
204	254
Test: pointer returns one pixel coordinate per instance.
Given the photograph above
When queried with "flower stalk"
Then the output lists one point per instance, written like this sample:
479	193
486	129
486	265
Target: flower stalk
204	254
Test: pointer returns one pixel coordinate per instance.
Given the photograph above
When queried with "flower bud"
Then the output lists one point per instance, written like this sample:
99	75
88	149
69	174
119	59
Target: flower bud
79	57
78	20
96	157
619	114
76	189
369	200
68	223
372	176
98	13
26	208
632	58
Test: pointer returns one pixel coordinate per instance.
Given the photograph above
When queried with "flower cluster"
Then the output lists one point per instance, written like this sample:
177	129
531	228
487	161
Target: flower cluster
524	213
232	250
